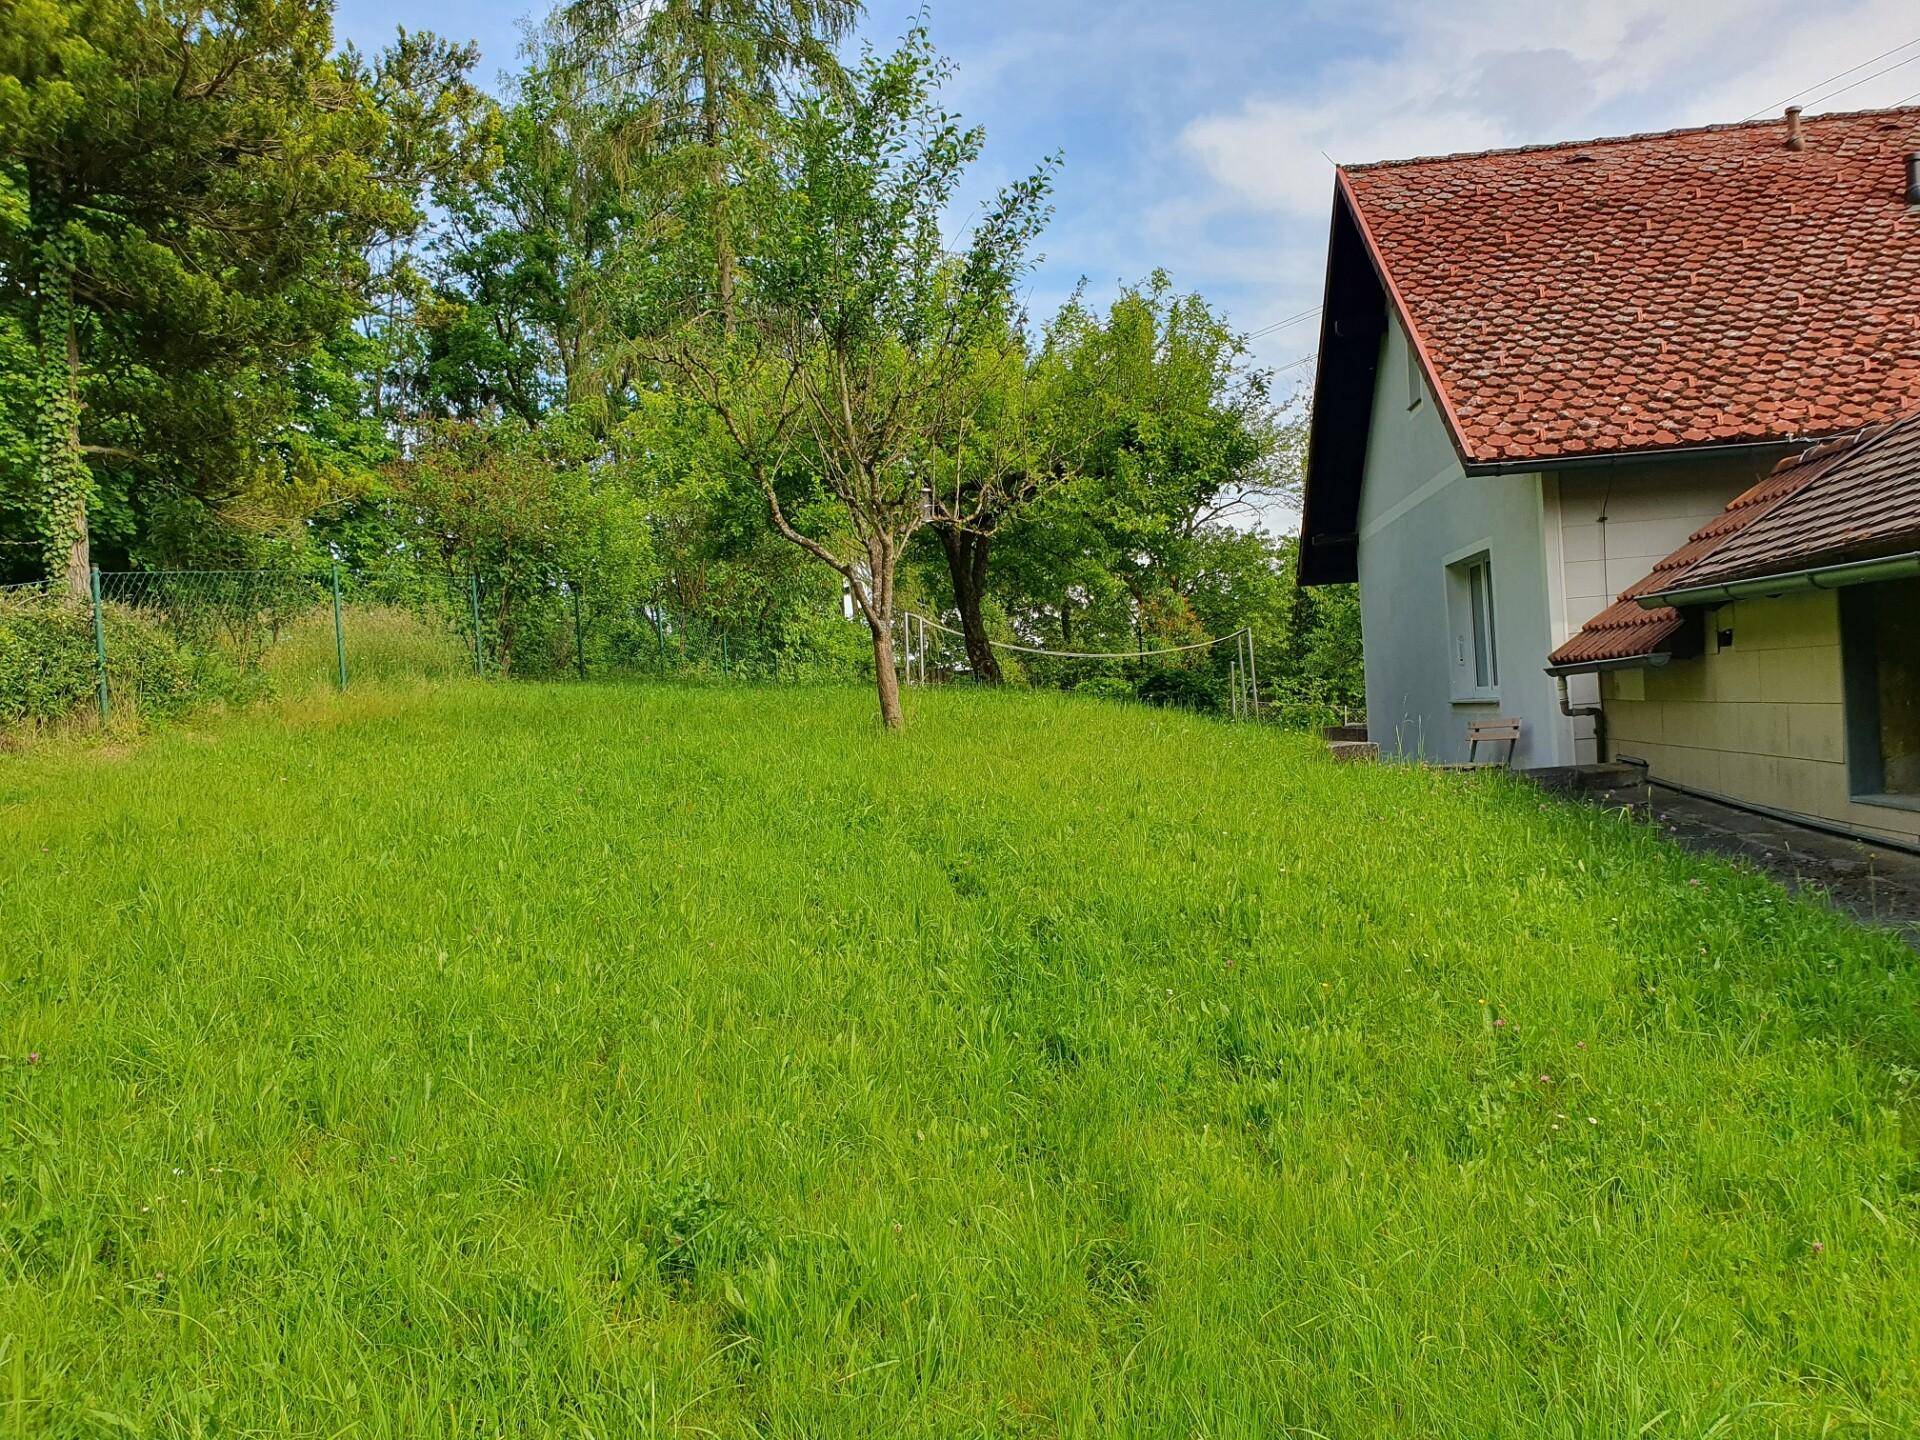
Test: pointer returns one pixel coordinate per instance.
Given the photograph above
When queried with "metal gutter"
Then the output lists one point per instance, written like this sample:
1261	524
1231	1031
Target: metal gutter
1632	457
1652	661
1786	817
1813	577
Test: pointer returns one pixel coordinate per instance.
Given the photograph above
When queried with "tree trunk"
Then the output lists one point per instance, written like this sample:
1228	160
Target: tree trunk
723	251
80	543
504	656
710	127
967	568
885	679
65	480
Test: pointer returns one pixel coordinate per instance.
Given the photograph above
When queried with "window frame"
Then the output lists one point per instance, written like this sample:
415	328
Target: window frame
1473	625
1860	696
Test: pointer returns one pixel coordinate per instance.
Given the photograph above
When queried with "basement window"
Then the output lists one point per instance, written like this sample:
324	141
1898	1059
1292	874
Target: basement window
1476	649
1880	634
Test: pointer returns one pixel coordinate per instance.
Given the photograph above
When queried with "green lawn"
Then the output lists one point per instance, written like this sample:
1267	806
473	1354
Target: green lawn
610	1061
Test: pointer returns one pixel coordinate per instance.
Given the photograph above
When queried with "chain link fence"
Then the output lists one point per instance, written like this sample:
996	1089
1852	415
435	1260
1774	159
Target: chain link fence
1219	675
154	642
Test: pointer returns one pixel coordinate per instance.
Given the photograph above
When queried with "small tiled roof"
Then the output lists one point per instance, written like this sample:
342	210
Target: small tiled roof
1863	503
1855	496
1621	632
1697	287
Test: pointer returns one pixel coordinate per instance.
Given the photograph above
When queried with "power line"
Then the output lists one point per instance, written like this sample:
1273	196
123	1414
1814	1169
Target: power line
1296	364
1897	65
1283	324
1769	109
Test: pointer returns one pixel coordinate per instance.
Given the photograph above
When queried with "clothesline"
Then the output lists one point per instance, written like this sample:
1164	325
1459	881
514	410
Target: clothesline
1081	654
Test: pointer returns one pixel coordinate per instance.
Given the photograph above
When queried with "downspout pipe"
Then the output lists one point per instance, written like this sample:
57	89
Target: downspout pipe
1815	577
1595	713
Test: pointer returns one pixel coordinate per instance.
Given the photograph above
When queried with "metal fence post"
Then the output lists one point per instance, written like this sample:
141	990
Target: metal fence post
479	655
339	630
99	647
1253	675
579	646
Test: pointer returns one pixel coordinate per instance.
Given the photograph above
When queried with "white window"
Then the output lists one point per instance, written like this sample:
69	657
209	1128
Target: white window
1475	640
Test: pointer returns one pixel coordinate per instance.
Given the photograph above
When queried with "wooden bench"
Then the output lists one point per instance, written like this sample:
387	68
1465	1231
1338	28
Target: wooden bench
1489	732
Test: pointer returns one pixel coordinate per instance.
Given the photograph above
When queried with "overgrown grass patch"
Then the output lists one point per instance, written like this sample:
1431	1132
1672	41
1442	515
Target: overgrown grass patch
647	1060
384	644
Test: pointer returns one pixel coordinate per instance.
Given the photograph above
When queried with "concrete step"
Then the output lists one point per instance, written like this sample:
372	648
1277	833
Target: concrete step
1348	751
1344	732
1611	786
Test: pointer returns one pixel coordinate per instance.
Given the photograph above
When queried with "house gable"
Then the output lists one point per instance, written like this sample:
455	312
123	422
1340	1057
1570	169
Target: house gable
1353	319
1622	298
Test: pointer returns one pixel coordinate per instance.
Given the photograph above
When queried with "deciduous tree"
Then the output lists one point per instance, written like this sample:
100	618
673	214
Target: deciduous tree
1171	434
852	363
1006	453
527	510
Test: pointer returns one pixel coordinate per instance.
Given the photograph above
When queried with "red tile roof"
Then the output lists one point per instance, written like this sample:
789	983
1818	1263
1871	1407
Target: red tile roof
1696	287
1833	501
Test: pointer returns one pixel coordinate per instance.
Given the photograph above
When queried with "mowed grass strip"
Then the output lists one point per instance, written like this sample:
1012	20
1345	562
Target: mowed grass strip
615	1061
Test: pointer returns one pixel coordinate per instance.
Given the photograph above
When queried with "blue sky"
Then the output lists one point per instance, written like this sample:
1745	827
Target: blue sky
1196	135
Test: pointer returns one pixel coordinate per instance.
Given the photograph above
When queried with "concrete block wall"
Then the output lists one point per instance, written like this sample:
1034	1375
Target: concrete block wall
1608	528
1616	526
1762	720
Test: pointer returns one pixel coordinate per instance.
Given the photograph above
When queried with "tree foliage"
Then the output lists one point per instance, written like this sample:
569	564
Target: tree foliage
711	75
189	195
681	318
517	507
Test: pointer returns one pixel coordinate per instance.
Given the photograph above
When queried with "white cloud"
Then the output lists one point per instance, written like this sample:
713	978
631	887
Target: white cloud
1279	155
1472	77
1194	134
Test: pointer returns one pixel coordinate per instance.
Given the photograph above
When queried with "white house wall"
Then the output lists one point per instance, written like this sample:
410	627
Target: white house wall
1419	511
1563	545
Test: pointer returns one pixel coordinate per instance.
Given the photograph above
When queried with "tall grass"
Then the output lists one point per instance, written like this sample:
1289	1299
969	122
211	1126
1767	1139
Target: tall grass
384	644
612	1061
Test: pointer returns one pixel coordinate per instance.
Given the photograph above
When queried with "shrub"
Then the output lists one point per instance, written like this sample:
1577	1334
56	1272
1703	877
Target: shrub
47	665
46	659
816	644
1105	687
1178	689
152	672
1302	704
